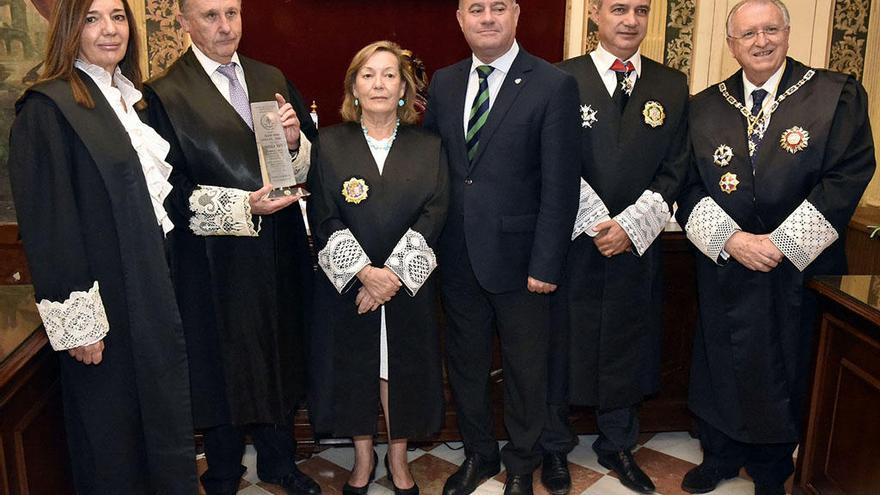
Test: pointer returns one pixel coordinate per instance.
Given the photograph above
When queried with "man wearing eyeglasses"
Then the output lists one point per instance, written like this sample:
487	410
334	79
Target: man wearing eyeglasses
782	154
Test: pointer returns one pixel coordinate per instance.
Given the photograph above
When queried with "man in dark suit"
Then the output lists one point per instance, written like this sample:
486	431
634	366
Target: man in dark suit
241	263
633	130
782	154
508	121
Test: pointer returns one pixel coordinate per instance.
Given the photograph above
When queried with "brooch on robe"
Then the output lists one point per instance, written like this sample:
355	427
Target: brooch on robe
588	116
722	156
653	113
794	139
728	182
355	190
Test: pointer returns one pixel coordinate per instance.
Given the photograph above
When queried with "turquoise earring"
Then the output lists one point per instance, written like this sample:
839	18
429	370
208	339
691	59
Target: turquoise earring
401	102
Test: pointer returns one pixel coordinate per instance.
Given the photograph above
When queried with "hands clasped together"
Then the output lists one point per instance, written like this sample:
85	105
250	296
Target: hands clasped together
379	286
755	252
611	239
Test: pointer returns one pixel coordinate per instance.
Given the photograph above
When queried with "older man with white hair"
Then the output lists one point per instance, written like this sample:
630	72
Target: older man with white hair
782	154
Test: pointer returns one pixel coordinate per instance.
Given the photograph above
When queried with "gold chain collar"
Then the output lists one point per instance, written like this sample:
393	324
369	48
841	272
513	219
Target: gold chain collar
756	121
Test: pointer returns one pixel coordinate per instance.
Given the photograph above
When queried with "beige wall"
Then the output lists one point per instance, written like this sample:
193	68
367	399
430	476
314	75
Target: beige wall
811	28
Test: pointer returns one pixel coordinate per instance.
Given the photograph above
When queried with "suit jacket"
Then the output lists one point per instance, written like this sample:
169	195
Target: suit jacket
512	207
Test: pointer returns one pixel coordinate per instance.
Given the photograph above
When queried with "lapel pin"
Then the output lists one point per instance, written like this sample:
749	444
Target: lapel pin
728	182
588	116
654	113
517	80
723	155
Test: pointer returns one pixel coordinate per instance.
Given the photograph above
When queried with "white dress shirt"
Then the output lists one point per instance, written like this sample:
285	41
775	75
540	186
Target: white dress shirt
603	59
771	86
151	149
496	78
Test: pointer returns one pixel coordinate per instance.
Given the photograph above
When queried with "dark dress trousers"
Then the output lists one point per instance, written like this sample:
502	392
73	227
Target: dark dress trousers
85	216
511	212
614	351
408	199
753	346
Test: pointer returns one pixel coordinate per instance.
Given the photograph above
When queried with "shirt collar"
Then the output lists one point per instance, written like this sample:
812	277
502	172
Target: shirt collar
501	63
210	65
104	80
771	85
605	59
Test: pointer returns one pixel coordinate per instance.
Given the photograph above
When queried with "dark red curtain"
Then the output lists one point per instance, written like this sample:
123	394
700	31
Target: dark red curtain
313	41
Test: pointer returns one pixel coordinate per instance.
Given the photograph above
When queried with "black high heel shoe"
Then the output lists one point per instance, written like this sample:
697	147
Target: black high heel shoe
362	490
413	490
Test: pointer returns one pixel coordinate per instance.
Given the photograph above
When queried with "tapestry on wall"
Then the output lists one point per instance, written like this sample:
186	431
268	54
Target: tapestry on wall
23	30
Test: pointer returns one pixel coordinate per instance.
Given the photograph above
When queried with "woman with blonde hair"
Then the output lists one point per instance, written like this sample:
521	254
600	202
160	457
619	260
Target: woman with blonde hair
379	197
89	180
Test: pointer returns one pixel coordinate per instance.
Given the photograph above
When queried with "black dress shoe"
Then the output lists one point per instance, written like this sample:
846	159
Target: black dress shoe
554	473
362	490
297	483
629	473
518	484
474	470
769	489
704	479
413	490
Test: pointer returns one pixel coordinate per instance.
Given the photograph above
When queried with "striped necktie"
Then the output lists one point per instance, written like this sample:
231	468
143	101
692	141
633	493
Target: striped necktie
237	97
479	111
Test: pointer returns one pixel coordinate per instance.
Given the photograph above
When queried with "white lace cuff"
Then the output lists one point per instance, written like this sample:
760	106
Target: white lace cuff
709	227
412	261
79	320
303	160
591	211
342	258
221	211
804	235
644	220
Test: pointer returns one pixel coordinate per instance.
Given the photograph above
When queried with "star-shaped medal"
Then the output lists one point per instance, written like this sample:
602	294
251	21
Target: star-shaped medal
588	116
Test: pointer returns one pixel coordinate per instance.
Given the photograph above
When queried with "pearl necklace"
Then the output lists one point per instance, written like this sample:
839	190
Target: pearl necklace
380	145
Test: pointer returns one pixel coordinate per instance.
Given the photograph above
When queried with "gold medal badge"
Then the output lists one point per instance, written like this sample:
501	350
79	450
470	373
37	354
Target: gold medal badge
728	182
794	139
654	113
722	156
355	190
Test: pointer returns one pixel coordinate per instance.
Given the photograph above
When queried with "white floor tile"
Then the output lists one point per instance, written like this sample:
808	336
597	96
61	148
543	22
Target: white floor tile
607	485
491	487
249	460
735	486
452	452
584	455
253	490
677	444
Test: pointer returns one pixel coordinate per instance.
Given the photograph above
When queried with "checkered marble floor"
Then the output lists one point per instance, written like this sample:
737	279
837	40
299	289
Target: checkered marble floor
665	457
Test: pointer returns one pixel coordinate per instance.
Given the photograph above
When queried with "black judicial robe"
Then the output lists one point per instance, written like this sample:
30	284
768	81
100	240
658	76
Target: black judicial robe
754	344
411	193
243	299
612	307
84	215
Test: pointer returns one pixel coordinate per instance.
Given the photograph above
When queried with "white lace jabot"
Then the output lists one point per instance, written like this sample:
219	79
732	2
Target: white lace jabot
150	147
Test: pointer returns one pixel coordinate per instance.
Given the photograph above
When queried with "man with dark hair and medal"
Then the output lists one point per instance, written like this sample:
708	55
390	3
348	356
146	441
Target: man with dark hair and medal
240	260
782	154
633	134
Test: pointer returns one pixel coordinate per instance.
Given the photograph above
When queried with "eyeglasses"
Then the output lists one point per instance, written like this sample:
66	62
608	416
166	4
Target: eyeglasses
769	31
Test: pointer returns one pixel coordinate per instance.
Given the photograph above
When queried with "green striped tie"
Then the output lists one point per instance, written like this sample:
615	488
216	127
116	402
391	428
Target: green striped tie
479	111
